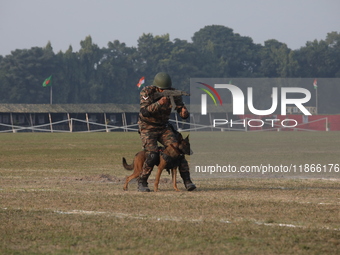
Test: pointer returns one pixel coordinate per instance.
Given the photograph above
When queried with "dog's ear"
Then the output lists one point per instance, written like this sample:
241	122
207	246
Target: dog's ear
187	138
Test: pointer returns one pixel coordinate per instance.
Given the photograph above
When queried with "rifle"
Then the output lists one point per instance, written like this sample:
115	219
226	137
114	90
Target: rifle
170	94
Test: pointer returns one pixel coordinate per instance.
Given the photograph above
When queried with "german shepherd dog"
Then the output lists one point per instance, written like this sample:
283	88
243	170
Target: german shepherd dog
171	152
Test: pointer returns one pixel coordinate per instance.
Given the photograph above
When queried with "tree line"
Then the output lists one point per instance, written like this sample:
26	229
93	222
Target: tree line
110	74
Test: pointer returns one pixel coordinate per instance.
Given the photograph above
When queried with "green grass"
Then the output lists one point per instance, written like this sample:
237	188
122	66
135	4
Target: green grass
63	194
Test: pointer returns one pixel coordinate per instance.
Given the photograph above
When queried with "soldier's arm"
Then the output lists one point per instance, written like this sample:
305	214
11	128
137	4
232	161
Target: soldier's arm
180	107
147	105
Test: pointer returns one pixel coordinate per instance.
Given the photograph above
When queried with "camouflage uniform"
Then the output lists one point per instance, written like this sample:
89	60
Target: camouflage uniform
154	126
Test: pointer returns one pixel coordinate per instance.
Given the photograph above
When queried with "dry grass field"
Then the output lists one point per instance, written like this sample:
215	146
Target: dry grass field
63	194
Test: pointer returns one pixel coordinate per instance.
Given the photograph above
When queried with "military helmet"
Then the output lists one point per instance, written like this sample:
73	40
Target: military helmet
162	80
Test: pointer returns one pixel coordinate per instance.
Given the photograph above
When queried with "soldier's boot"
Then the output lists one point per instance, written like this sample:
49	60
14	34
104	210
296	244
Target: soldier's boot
143	183
143	178
187	181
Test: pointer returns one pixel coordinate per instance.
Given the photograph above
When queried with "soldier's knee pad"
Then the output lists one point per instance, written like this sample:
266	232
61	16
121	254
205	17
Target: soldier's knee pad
152	158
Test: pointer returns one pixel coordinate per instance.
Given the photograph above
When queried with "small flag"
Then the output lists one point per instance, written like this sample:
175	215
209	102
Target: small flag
315	83
141	82
47	82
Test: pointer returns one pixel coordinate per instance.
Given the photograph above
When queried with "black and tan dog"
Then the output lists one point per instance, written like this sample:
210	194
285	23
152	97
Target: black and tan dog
169	159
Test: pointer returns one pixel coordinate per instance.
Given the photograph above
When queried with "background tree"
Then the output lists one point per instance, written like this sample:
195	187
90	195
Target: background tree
118	73
224	53
333	42
110	74
23	72
316	60
153	51
182	64
277	60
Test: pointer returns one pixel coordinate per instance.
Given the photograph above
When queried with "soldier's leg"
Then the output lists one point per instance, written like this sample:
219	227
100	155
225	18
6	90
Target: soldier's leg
149	141
167	137
185	174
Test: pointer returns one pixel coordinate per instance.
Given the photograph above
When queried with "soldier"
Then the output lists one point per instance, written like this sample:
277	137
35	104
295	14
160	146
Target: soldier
154	126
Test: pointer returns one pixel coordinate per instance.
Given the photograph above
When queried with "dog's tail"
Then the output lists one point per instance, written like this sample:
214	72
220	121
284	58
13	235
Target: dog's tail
126	166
